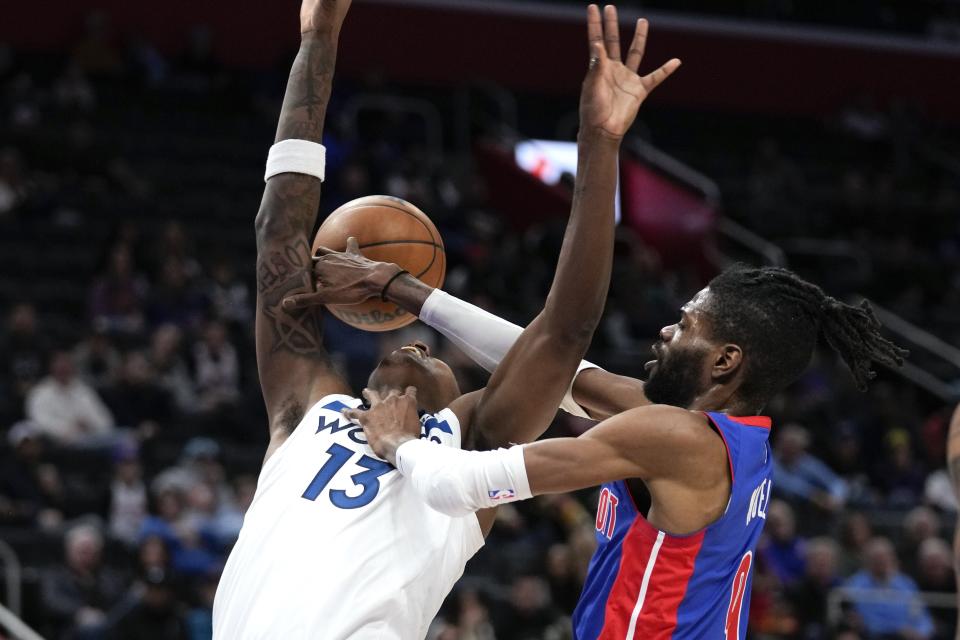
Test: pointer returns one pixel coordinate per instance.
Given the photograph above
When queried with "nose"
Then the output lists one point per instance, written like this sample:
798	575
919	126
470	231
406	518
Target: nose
423	347
666	334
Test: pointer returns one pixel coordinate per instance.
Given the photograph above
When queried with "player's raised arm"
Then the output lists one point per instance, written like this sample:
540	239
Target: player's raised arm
524	391
291	360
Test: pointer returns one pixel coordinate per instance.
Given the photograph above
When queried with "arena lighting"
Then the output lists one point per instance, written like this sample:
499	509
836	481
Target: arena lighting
548	160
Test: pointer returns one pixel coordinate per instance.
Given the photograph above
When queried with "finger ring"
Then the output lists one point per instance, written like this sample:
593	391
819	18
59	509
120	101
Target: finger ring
594	61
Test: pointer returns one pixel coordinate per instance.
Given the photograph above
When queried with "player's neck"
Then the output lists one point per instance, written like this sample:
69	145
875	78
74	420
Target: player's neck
723	399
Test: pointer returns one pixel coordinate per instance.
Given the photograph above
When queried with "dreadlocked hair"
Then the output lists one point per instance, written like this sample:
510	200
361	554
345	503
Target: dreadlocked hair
776	316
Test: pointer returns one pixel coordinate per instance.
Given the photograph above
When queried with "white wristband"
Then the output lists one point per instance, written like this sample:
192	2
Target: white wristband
457	482
484	337
296	156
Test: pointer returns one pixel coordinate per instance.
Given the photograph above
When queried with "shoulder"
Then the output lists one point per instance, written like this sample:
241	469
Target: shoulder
665	424
669	441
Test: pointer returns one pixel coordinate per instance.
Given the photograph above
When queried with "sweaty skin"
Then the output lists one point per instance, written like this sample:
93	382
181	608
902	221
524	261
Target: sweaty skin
523	394
673	451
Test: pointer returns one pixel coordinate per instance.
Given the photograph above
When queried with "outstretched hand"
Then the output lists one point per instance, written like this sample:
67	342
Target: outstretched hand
613	89
390	421
343	277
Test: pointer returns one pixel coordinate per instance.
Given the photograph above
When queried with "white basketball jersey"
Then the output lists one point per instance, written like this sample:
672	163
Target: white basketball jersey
336	543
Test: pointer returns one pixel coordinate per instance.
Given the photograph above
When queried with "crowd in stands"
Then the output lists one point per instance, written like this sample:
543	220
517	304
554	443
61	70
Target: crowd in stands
131	420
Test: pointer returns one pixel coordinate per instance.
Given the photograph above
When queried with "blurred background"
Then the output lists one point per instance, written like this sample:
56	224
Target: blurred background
819	136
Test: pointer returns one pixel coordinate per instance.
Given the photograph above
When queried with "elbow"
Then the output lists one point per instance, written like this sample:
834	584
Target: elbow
573	335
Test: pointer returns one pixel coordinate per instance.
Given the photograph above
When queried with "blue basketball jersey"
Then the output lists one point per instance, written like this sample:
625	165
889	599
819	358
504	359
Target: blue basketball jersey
645	583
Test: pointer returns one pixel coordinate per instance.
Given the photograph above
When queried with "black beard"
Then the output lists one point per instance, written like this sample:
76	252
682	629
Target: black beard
675	380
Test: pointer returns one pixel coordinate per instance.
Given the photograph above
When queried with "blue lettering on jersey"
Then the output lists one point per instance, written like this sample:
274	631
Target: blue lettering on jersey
355	432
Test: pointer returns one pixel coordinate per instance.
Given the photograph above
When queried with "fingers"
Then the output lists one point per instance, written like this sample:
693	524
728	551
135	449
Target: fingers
372	397
651	80
354	415
302	300
353	246
611	32
594	28
410	392
635	54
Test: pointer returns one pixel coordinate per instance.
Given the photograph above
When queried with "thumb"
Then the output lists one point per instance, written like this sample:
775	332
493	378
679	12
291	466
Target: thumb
353	246
352	414
411	392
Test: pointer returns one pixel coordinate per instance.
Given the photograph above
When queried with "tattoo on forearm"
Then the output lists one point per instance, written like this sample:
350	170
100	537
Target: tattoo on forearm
278	266
289	209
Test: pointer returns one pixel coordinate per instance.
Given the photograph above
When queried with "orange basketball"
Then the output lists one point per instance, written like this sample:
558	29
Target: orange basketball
388	230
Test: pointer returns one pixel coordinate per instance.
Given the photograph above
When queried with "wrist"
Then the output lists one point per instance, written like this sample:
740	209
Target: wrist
392	443
380	276
597	137
323	36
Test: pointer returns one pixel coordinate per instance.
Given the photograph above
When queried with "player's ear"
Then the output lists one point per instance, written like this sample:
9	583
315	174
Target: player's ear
727	361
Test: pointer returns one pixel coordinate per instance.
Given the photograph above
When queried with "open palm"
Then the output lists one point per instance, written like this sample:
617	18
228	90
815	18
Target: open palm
613	90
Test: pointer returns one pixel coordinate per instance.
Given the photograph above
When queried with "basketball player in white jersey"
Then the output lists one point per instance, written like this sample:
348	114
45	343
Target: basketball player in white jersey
336	544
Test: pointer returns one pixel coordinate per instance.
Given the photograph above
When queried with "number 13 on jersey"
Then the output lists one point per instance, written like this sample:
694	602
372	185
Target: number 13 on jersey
368	480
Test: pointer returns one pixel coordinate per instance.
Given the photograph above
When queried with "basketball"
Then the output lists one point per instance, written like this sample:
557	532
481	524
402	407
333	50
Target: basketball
387	229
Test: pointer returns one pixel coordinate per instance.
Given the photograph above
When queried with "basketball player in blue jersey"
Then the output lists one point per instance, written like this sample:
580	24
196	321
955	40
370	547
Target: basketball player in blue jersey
337	543
683	459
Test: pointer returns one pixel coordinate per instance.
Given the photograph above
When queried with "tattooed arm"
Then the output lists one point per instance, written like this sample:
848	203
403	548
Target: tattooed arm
295	370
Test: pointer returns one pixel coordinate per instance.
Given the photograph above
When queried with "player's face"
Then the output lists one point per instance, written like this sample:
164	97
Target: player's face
680	371
412	365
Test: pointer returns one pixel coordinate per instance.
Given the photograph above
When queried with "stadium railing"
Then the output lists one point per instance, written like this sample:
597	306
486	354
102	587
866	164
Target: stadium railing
840	595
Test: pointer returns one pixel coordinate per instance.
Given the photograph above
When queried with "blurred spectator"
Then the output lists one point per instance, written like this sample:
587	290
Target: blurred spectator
190	553
173	244
217	369
920	524
23	351
138	400
200	616
561	573
96	53
128	496
528	612
151	611
781	547
229	295
97	361
69	411
802	477
885	599
809	595
77	595
900	475
855	533
174	300
13	184
199	462
171	369
118	296
73	91
935	573
31	491
153	553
